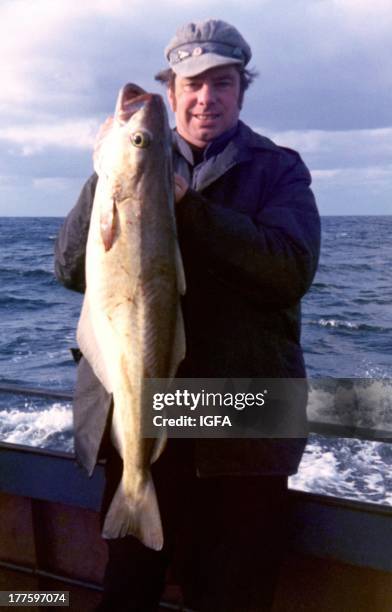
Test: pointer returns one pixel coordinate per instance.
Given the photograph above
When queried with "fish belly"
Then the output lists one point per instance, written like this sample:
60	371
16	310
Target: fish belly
129	332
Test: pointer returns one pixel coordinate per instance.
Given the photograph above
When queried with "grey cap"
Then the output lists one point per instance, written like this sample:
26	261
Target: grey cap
199	46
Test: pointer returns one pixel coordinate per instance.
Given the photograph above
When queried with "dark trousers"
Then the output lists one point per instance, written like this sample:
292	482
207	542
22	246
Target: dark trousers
224	537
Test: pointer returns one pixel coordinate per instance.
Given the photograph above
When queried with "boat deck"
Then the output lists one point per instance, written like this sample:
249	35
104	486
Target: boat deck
81	598
340	551
306	585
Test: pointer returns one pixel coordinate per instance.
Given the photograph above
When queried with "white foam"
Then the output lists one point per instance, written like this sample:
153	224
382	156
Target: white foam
34	427
363	403
344	468
337	324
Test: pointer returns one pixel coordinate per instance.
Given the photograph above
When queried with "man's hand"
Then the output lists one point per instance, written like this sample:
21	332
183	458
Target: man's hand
180	187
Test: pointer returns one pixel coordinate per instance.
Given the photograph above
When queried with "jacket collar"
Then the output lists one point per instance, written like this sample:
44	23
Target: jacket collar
231	148
213	148
241	135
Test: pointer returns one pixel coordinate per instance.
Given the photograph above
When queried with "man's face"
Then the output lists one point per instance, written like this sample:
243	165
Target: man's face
206	105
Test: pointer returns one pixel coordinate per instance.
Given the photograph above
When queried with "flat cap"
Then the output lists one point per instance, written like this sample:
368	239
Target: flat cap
199	46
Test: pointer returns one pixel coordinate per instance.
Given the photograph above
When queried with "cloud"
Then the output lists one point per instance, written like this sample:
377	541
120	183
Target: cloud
374	179
347	148
364	190
325	84
52	183
332	68
37	197
31	138
56	51
70	58
351	169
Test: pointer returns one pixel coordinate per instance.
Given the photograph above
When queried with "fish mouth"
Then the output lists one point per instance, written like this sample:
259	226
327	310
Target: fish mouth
130	100
130	108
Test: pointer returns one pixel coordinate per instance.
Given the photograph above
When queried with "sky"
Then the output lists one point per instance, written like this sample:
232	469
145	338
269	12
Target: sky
324	88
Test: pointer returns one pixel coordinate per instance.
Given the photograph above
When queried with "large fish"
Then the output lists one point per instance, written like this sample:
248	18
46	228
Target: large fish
131	326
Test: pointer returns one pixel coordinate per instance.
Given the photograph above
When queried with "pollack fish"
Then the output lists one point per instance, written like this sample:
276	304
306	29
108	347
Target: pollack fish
131	326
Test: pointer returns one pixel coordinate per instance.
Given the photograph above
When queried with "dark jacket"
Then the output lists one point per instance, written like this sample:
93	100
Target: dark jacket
249	233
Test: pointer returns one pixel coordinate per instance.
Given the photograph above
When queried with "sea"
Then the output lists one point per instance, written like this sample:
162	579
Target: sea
346	337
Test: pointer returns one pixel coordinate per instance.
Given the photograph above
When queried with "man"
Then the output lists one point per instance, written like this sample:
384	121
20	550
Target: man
249	234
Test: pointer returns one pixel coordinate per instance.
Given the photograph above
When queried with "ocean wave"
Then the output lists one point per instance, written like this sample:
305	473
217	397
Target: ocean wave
38	273
35	276
366	369
336	323
27	303
356	267
356	403
345	468
323	287
386	300
43	428
348	325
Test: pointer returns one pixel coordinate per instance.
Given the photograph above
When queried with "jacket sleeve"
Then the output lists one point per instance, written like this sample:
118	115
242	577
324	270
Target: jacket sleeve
70	248
272	255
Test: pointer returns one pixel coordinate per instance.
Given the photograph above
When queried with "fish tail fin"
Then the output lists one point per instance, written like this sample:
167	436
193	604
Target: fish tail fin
138	517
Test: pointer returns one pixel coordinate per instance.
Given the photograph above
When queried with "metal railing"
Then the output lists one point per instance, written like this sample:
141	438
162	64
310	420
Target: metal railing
37	391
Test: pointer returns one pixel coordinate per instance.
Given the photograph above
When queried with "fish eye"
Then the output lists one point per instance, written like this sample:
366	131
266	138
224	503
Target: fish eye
140	139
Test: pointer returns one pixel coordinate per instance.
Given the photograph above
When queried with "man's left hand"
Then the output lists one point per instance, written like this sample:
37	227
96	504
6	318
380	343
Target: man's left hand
180	187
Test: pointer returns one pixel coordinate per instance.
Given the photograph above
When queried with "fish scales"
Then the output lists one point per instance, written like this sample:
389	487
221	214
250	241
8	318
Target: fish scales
131	325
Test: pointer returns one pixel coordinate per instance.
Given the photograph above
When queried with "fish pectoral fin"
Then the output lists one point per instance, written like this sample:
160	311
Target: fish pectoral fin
179	344
90	346
138	516
159	447
181	283
108	223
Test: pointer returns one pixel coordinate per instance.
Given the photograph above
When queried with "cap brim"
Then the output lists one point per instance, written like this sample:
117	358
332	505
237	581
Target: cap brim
193	66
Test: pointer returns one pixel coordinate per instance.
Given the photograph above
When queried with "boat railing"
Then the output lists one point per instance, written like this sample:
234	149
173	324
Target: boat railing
335	430
37	391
